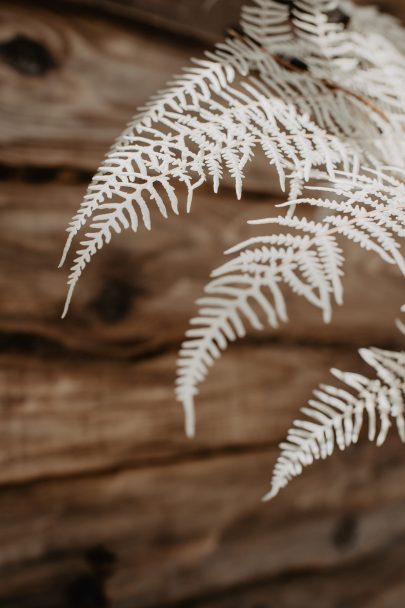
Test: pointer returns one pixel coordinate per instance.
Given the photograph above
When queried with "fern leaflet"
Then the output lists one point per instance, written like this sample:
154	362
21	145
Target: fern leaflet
335	416
331	110
370	212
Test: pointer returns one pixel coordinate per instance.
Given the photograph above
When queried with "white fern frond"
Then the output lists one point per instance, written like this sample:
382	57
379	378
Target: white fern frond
249	283
336	416
363	199
248	288
250	94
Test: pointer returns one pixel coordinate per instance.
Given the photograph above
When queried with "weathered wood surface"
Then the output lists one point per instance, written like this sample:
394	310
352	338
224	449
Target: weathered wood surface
206	20
138	295
103	502
71	83
68	99
65	100
70	416
177	532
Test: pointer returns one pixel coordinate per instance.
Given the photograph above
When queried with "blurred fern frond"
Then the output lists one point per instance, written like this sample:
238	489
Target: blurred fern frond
336	416
301	81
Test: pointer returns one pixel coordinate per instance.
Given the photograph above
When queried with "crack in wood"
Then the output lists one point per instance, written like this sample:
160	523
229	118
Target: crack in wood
45	347
184	458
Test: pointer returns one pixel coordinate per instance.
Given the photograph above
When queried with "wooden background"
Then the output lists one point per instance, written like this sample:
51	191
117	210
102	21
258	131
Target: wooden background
103	502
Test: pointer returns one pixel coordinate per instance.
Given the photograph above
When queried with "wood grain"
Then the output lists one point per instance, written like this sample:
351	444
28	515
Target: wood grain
103	502
65	100
138	294
68	416
206	20
68	115
376	581
180	531
64	106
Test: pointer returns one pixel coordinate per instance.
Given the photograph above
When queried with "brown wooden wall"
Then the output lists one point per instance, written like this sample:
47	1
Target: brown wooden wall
103	502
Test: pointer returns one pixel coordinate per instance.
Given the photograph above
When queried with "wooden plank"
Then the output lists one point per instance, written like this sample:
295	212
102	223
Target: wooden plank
103	501
64	104
66	416
138	294
71	82
179	531
376	581
206	20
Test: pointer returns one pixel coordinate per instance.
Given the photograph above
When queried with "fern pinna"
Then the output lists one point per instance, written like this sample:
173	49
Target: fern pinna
335	416
303	81
369	209
319	87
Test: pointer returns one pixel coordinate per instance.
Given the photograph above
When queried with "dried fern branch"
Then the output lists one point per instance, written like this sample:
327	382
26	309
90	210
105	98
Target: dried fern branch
302	82
319	87
336	416
369	210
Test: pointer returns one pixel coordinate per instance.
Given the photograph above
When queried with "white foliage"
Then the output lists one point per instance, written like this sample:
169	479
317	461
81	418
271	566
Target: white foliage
369	210
300	83
280	25
335	416
319	87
